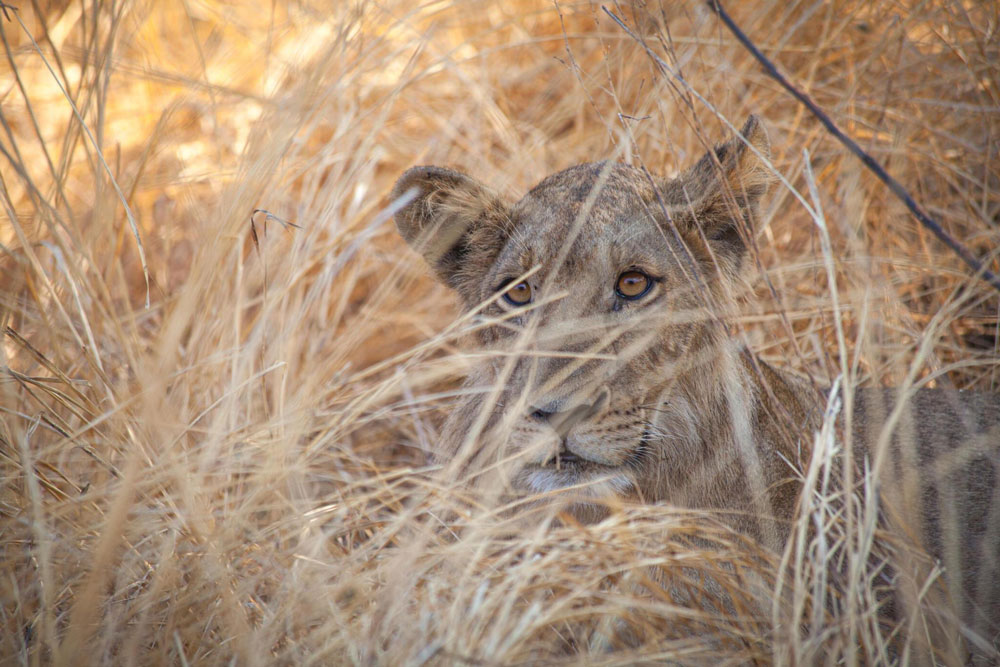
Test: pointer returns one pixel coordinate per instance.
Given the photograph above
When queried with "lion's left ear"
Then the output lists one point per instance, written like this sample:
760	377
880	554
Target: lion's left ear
457	224
722	192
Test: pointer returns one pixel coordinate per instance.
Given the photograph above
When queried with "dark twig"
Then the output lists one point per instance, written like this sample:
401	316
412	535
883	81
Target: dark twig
267	216
870	162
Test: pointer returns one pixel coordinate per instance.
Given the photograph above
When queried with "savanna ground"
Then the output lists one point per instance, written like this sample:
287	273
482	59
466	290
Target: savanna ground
239	471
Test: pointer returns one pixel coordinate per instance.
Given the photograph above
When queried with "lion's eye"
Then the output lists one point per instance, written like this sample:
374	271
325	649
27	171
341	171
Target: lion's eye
633	284
519	294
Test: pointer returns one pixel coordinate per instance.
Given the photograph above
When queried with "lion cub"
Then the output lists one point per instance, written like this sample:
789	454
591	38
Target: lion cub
604	294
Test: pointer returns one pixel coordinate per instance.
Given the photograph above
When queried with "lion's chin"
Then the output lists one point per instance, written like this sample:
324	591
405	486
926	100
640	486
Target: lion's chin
592	481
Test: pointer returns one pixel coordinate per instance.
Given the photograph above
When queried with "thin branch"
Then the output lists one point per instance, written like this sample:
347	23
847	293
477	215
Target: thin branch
926	220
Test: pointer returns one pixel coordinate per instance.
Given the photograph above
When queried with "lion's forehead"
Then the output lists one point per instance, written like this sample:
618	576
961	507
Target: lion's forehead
577	182
602	209
604	191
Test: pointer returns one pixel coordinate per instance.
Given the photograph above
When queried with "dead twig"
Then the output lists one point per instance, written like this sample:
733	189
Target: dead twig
267	216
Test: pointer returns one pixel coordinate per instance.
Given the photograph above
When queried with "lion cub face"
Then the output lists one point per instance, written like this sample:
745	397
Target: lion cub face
595	294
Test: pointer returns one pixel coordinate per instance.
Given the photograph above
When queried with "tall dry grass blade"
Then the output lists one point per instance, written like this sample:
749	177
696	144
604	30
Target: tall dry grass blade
98	151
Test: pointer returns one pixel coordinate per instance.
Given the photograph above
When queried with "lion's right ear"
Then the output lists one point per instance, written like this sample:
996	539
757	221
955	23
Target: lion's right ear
720	197
457	224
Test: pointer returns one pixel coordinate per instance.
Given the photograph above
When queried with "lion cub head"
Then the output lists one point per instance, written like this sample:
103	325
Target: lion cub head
598	297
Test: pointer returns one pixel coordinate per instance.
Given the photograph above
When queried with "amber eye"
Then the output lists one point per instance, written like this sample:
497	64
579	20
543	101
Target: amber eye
519	294
633	284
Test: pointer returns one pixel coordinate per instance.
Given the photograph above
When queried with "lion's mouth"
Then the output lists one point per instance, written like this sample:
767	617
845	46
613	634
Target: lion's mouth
571	463
564	458
588	479
565	470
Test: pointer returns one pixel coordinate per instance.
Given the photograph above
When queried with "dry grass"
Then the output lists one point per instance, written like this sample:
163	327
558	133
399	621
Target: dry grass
239	472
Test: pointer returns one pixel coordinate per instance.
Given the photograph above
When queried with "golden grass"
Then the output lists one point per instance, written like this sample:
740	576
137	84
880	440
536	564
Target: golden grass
240	471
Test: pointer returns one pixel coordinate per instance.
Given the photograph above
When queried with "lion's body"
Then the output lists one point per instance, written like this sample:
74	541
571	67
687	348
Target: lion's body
939	480
647	395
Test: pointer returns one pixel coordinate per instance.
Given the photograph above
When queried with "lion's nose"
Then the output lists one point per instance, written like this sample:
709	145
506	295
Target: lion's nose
561	420
542	415
564	420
